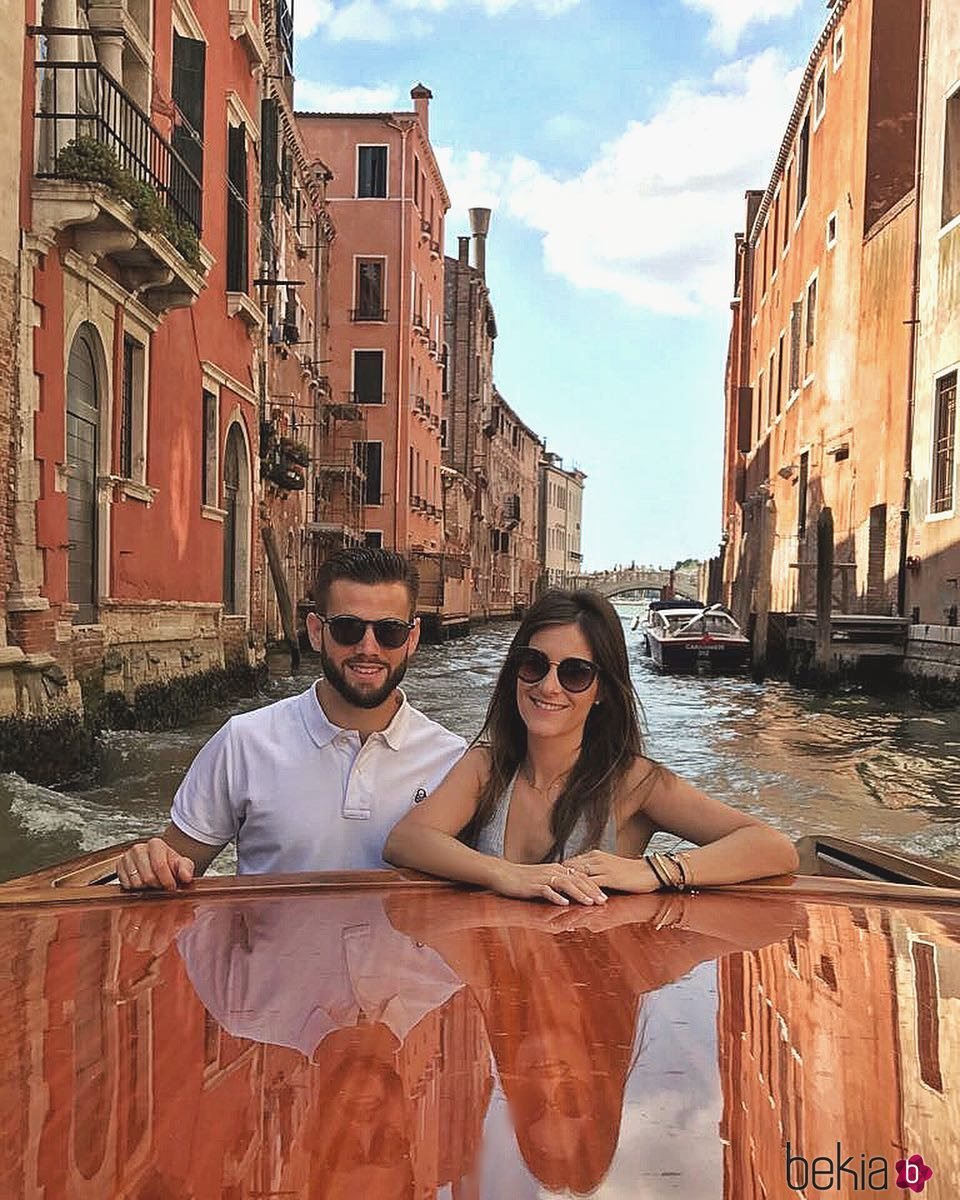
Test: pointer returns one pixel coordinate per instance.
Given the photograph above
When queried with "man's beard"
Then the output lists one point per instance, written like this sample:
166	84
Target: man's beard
360	699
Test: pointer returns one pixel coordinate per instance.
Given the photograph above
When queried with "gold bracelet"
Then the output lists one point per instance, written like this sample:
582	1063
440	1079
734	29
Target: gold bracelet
662	879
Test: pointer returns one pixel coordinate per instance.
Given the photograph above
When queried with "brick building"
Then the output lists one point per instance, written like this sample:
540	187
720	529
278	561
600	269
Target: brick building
818	373
933	549
491	456
12	14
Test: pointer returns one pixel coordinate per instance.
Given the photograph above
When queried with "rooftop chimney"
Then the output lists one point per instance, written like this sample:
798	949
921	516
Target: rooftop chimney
421	97
480	225
463	251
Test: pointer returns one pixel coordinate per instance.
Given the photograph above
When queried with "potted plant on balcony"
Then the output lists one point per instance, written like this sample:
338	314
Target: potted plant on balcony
295	452
287	477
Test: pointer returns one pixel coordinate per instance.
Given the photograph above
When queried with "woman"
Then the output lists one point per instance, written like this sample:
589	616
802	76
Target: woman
558	776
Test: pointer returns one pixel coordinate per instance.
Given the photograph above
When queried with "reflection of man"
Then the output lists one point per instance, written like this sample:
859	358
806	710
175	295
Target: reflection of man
331	978
292	971
317	781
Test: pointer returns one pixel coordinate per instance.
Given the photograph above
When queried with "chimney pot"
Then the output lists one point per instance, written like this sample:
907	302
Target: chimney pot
463	251
421	97
480	225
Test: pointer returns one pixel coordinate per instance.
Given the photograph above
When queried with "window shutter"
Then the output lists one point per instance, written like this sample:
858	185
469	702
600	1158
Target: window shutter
268	149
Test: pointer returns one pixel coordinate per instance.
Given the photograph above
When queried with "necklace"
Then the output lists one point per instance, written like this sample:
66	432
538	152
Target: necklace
527	774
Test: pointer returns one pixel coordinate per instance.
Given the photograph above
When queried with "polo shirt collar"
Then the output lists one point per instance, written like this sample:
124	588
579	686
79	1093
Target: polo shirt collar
323	731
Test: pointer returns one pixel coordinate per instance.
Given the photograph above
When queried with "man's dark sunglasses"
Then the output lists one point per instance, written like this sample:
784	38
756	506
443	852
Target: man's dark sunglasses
391	633
574	674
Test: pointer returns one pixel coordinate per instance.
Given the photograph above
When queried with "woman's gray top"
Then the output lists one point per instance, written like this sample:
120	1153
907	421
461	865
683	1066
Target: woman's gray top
490	838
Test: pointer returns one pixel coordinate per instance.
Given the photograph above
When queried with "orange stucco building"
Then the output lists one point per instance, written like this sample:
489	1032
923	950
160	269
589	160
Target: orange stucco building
387	200
134	554
819	366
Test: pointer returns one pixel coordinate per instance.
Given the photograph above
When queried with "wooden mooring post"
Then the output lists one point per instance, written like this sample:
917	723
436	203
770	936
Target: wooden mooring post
824	651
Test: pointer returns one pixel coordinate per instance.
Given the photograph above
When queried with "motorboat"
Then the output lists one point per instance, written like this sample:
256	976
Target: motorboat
680	635
381	1034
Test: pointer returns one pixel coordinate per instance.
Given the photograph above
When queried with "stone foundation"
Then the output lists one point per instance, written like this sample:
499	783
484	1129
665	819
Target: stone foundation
933	653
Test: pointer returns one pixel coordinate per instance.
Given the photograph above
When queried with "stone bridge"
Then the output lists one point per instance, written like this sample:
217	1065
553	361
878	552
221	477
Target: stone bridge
654	581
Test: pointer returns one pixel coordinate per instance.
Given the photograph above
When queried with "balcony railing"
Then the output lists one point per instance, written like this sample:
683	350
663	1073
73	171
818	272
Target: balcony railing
368	314
366	398
82	107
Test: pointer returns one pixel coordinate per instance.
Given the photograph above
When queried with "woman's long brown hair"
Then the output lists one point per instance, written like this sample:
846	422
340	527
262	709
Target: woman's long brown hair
611	735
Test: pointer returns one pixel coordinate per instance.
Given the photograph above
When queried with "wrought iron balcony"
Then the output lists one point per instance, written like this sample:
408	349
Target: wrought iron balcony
82	108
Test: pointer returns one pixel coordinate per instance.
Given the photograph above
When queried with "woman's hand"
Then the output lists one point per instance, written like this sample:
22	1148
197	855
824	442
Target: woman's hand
615	871
557	882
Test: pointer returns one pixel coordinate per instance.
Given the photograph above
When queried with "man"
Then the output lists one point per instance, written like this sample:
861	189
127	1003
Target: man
317	781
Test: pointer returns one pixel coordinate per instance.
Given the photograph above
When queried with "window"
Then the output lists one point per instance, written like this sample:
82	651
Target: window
831	231
811	329
770	387
443	433
132	411
211	441
776	236
796	320
803	163
372	172
786	207
368	457
820	96
187	89
838	47
368	376
802	485
944	423
373	538
759	422
779	407
369	290
951	161
237	235
416	180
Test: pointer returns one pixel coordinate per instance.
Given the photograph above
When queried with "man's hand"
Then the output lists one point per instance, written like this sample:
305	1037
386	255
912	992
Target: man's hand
615	871
154	864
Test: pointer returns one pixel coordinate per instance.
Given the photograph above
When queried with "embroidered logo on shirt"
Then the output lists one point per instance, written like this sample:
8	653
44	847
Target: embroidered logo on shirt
419	794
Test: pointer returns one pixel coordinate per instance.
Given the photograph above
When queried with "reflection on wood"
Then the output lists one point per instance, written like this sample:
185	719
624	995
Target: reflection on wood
397	1043
836	1038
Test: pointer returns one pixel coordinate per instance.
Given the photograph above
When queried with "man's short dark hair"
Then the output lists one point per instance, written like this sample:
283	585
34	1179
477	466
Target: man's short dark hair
366	564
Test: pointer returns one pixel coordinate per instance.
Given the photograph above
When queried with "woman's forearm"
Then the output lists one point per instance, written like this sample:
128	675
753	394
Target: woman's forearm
752	852
439	853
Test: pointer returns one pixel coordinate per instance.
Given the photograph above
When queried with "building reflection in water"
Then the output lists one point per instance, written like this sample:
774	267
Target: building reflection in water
405	1043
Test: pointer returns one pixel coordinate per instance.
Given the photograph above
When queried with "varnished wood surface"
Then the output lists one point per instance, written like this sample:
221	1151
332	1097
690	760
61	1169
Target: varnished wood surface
407	1039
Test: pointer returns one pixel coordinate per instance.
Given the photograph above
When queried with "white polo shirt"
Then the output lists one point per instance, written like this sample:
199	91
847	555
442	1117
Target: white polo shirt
300	794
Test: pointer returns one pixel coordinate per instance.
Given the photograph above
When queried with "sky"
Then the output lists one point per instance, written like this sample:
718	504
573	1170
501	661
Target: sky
614	141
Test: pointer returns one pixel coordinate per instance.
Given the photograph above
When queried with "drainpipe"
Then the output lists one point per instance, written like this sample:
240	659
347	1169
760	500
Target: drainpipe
914	321
401	350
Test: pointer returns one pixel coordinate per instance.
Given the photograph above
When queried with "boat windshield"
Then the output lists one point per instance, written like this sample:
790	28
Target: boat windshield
710	622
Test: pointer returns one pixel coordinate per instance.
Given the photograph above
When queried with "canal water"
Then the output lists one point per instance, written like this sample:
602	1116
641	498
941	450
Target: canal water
881	770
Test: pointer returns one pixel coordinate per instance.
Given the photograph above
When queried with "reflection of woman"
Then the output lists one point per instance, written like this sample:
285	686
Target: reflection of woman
561	777
561	1001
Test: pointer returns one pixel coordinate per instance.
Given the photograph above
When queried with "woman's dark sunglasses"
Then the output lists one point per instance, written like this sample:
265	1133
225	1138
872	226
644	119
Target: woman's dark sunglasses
390	633
574	674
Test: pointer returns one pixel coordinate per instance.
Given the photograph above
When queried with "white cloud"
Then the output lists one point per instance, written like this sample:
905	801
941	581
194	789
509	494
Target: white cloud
473	180
652	219
322	97
381	20
732	17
